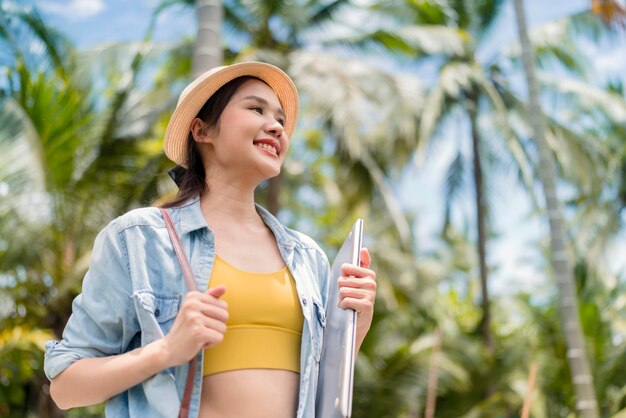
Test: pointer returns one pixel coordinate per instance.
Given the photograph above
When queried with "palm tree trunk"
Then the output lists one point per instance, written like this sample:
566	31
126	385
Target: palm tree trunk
207	51
582	379
433	377
485	326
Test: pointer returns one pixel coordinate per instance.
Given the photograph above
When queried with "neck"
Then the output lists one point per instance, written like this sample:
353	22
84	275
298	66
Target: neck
225	201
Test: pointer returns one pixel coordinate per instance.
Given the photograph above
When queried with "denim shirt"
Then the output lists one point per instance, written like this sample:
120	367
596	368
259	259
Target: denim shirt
133	290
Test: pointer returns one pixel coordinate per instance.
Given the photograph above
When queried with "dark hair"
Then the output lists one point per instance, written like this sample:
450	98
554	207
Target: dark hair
192	179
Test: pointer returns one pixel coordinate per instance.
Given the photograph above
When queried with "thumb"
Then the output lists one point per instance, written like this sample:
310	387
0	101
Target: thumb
216	292
366	259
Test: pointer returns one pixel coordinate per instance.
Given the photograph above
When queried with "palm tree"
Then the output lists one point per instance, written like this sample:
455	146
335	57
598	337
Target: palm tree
207	52
467	84
582	378
284	43
207	49
463	83
612	12
65	145
391	370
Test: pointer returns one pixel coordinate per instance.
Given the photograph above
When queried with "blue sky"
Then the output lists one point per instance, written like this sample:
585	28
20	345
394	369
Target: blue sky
91	22
514	253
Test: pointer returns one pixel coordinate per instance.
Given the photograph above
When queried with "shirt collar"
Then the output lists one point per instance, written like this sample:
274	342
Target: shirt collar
278	229
191	219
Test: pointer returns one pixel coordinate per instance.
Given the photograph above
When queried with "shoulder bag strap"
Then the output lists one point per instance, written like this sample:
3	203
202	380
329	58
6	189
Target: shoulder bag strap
180	253
191	284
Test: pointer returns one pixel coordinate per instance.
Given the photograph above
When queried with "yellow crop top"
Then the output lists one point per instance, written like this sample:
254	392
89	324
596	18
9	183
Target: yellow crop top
264	325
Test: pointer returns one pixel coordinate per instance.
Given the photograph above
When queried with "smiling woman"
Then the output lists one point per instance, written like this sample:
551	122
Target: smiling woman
254	331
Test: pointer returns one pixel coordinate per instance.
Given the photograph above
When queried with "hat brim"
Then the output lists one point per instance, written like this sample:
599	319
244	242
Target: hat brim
203	87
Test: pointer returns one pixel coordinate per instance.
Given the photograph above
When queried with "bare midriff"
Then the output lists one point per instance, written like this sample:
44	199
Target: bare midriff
258	393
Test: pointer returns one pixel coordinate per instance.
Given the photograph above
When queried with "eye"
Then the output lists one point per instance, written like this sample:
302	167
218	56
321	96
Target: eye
257	109
281	121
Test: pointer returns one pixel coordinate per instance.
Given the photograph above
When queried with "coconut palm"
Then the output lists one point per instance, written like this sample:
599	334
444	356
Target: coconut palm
286	45
65	145
582	378
597	221
463	83
391	372
207	50
468	84
612	12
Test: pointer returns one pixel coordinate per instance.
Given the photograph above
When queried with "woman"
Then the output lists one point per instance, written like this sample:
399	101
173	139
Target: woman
257	330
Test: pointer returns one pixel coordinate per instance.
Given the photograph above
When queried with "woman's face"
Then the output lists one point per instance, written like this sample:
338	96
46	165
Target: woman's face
250	142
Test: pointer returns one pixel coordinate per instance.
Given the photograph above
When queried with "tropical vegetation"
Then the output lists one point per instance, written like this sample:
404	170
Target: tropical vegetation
80	143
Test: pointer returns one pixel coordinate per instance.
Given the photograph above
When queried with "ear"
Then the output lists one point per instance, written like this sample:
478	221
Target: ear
200	131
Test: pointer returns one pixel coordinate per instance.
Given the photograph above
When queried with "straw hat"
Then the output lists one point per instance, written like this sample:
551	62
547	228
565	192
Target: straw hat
198	92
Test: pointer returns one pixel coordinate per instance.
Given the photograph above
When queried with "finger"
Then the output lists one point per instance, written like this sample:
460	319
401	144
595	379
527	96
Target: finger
215	325
215	312
357	282
358	305
205	305
348	270
365	258
354	293
216	292
208	299
213	338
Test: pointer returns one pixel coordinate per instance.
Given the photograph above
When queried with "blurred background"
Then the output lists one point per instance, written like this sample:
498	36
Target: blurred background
495	216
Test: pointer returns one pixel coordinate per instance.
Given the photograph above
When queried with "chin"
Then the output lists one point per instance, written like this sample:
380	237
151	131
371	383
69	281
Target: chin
275	174
271	172
266	175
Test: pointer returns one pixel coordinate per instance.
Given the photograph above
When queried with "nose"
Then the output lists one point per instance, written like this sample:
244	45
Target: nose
274	127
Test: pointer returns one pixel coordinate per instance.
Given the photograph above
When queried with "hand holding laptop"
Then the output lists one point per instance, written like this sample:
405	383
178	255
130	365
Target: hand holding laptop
349	313
357	291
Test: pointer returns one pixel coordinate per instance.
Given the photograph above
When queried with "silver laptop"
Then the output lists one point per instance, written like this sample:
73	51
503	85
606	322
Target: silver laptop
336	374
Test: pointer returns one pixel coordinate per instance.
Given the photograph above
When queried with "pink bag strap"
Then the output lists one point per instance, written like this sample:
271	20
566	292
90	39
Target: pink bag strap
180	252
191	374
191	284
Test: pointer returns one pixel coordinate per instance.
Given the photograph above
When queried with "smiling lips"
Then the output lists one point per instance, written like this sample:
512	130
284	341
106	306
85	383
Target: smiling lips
270	145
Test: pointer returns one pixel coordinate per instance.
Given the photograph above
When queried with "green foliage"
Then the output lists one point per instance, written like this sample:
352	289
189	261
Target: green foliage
20	360
85	146
73	157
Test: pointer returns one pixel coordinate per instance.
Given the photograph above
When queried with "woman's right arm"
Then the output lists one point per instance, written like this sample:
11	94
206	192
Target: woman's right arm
200	323
94	380
90	365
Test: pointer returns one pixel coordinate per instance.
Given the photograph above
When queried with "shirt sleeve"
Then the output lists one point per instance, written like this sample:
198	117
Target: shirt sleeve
101	323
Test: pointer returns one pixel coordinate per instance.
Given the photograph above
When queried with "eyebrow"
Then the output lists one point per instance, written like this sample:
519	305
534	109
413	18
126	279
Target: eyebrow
263	102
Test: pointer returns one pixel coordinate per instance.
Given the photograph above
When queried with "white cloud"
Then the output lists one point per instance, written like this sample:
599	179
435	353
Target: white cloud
74	9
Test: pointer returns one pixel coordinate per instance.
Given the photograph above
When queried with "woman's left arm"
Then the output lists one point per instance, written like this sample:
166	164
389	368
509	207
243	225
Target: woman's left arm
357	290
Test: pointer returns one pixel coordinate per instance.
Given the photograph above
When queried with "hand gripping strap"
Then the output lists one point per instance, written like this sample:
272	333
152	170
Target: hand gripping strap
191	284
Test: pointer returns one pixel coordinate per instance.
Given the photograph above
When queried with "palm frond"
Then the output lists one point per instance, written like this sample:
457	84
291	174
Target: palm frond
166	4
22	25
454	184
455	79
501	119
412	40
391	201
588	97
552	43
325	12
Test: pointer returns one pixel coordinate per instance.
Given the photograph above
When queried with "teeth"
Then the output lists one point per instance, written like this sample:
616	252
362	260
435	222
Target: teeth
267	147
